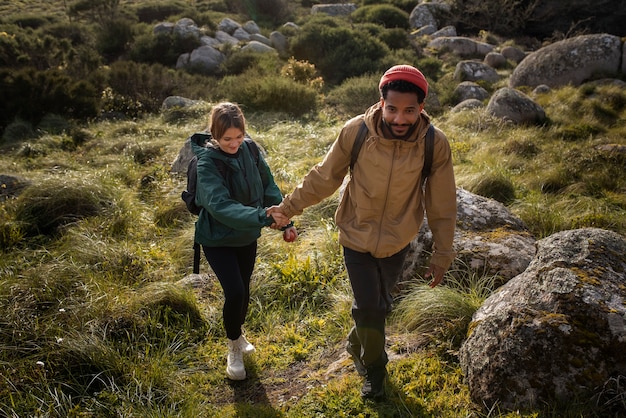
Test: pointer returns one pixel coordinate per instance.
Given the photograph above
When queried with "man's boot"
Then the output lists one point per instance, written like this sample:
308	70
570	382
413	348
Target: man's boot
374	385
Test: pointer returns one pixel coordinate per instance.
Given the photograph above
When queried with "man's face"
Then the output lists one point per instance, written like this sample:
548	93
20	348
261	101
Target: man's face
400	111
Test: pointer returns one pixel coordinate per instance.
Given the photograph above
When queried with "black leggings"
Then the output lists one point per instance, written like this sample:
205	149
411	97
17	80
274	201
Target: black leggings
233	267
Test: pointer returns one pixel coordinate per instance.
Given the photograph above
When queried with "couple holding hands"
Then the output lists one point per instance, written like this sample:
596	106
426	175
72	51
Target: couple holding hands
380	213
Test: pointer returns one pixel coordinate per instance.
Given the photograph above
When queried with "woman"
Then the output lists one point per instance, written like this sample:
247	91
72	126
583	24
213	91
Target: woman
234	188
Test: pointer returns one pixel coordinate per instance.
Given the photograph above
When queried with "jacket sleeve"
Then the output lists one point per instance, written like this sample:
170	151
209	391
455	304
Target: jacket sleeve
440	202
325	177
212	195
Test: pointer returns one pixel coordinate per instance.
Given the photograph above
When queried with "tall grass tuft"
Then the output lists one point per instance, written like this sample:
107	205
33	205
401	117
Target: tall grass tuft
442	314
46	207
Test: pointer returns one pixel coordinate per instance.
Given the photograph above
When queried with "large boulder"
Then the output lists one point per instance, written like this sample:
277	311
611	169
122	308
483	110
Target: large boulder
488	239
571	61
514	106
556	332
462	46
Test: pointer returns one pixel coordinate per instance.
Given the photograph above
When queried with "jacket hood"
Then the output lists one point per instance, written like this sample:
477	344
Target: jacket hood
202	144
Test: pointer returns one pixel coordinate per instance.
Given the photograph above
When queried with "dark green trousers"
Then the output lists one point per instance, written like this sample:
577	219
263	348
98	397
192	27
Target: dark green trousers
372	280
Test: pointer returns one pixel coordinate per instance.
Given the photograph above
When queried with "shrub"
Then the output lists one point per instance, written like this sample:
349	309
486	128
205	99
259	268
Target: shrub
270	94
114	37
338	52
494	185
154	12
453	303
54	124
382	14
17	131
354	95
30	94
161	49
137	88
44	208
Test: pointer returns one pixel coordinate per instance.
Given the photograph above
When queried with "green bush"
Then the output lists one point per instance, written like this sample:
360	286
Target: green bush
270	94
382	14
406	5
31	94
137	88
154	12
338	52
113	38
162	49
354	95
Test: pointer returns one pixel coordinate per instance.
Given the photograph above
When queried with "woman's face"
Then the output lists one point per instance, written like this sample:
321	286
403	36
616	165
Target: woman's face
231	141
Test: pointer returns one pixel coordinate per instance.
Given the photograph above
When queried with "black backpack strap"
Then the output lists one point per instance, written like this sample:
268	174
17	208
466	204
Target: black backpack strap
358	143
429	148
254	148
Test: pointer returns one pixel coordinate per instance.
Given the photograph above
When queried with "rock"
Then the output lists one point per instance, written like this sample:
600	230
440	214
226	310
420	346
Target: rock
187	28
513	105
225	38
279	42
470	90
541	89
424	30
422	16
495	60
489	240
468	104
257	46
260	38
251	27
513	54
462	46
447	32
205	59
228	25
556	332
241	35
475	71
571	61
171	102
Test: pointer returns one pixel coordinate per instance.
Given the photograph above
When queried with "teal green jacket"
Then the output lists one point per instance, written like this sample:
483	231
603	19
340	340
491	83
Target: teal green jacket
233	206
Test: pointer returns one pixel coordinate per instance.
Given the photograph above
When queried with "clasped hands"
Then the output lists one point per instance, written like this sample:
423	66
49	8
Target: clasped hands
281	221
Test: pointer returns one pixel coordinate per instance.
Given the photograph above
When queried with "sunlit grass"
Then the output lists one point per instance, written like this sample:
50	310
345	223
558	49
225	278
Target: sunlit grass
100	304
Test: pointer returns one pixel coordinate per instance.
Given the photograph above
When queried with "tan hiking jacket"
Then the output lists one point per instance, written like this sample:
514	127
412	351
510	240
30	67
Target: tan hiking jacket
382	207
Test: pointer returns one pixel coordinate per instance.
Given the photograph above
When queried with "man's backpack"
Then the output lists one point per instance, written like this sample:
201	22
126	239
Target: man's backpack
429	147
189	194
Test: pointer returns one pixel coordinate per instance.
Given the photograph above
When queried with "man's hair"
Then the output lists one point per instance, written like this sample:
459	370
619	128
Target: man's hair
403	86
224	116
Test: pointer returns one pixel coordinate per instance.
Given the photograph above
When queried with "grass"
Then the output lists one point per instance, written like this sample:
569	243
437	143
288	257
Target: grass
94	320
95	323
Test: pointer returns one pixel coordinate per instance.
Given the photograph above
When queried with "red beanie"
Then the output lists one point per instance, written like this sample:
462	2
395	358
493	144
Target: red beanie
406	73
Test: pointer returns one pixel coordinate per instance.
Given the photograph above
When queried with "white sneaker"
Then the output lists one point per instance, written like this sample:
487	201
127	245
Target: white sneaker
245	345
235	369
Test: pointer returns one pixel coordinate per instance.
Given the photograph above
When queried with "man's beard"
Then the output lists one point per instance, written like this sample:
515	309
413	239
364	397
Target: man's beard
408	133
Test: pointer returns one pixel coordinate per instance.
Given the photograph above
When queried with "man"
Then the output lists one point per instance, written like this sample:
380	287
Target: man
382	208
